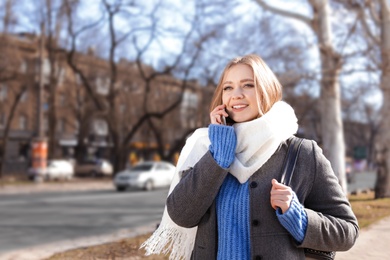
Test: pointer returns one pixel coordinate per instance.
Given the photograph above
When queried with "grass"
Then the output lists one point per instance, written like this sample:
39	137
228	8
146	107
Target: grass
12	180
367	210
123	249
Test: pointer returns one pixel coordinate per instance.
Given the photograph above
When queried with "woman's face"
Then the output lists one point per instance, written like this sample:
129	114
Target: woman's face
239	94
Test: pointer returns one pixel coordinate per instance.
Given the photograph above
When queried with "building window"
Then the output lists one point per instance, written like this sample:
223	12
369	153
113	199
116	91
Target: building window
46	68
45	124
3	92
24	96
61	75
76	127
190	100
78	79
102	86
23	66
188	109
2	120
22	122
100	127
62	99
61	125
122	108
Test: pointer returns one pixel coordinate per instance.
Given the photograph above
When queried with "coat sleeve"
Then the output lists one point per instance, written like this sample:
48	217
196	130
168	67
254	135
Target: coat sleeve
332	225
195	192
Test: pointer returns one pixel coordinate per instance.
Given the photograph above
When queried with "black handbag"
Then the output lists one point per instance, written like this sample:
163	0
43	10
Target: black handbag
287	174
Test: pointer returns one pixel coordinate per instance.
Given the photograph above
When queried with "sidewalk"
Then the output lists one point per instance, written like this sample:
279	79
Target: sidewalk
73	185
373	243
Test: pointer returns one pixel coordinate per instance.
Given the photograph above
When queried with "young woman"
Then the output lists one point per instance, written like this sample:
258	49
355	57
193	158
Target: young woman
226	202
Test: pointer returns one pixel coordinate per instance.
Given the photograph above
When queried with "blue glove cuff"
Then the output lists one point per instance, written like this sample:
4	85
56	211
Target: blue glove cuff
223	144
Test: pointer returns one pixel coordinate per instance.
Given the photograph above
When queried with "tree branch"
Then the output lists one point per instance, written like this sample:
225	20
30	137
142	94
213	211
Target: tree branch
366	27
302	18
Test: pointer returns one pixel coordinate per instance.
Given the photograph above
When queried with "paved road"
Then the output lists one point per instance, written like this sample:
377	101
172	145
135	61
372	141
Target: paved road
28	220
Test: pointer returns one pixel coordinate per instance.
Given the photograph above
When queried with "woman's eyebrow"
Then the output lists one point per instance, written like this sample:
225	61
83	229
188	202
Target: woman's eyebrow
243	80
227	82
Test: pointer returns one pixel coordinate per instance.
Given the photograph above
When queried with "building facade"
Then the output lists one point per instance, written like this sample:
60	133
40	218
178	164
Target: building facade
84	113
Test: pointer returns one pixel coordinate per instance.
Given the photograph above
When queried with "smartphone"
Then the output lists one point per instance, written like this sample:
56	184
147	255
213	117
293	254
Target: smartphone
223	120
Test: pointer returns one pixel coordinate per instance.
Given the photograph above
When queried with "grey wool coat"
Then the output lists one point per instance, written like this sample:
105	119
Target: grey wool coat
332	226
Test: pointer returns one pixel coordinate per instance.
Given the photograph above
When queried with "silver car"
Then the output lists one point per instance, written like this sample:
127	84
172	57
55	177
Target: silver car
94	168
145	175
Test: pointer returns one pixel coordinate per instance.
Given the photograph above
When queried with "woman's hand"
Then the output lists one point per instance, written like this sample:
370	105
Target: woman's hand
217	114
281	196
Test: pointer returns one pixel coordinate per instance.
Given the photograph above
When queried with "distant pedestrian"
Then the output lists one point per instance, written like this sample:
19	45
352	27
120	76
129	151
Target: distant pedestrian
225	201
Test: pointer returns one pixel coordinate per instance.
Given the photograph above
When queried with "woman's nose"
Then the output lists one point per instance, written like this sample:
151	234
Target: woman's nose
237	93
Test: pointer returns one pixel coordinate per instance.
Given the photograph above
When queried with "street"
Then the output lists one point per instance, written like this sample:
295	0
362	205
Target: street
28	220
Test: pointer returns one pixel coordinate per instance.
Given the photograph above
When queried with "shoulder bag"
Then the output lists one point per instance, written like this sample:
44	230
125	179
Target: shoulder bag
287	174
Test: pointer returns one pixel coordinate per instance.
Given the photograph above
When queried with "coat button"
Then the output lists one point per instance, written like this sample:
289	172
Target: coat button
255	222
253	184
257	257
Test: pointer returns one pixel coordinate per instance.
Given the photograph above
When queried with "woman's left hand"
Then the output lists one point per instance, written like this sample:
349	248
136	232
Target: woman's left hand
217	114
281	196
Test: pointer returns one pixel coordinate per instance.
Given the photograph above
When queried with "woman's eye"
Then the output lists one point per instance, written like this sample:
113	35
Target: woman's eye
248	85
227	88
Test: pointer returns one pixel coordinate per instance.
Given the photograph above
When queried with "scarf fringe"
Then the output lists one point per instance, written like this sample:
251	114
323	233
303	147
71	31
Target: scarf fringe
169	240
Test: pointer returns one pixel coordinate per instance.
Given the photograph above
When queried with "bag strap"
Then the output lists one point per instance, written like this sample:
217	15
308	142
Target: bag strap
290	160
288	170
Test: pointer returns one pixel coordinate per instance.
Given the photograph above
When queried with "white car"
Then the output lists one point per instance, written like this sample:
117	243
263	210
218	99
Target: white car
145	175
94	168
55	170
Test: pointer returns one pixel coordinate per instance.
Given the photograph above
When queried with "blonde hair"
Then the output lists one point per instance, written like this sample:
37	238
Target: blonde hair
267	86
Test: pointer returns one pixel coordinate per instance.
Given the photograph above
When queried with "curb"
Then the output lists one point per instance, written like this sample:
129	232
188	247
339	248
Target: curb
47	250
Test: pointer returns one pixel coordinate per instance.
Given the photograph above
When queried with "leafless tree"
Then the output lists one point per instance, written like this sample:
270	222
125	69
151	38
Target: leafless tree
331	64
9	68
52	13
141	39
374	18
378	13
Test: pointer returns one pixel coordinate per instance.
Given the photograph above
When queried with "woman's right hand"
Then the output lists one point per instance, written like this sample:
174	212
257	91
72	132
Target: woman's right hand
217	114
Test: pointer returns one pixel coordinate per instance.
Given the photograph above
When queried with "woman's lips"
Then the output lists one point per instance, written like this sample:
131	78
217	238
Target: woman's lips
239	107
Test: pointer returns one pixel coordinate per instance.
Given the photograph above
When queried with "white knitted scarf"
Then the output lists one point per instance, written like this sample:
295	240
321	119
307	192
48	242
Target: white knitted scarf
257	141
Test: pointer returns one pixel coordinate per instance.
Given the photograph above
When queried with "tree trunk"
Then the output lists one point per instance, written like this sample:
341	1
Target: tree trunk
14	105
331	121
382	187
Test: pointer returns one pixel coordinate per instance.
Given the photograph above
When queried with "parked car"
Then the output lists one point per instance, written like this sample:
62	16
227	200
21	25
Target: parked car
55	170
94	168
145	175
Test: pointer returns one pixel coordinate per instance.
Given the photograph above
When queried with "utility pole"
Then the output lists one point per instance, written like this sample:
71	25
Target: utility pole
39	144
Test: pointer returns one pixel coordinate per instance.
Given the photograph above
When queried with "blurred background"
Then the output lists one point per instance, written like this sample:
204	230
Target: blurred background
100	82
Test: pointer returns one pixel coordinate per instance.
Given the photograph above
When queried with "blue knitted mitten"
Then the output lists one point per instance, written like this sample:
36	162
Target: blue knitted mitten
223	144
294	219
